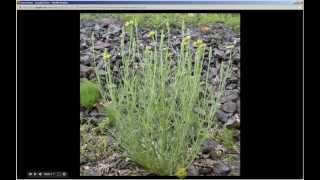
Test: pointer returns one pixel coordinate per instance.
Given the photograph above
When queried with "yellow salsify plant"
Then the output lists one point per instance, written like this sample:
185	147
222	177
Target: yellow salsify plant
153	105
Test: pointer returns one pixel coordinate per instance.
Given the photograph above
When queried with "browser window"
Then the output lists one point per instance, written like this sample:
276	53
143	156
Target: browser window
166	89
161	4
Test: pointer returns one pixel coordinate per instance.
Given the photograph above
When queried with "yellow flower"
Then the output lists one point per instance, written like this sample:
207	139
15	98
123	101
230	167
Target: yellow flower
151	34
199	43
106	55
181	172
202	45
186	40
129	23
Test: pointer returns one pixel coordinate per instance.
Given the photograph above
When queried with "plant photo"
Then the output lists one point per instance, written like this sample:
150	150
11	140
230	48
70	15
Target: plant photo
160	94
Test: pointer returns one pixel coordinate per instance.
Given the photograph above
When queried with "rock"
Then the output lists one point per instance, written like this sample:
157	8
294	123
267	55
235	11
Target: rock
90	172
229	107
222	116
221	169
233	93
85	71
109	22
95	113
97	28
214	80
193	171
217	153
94	117
205	156
85	60
231	97
233	122
213	71
83	160
207	167
236	58
236	40
114	28
205	171
101	45
231	86
238	105
100	64
208	146
218	53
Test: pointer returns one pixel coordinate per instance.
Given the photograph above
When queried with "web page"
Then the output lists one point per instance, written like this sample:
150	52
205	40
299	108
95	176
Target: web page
165	89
